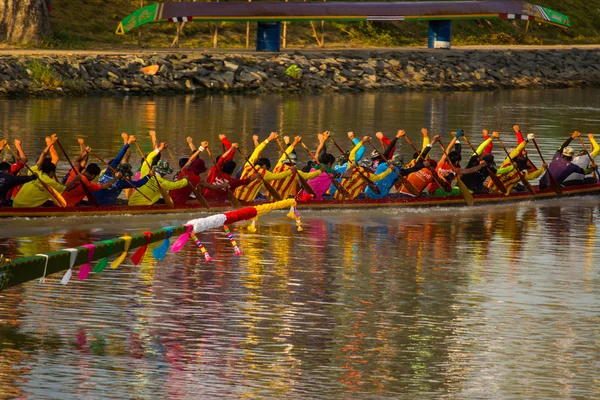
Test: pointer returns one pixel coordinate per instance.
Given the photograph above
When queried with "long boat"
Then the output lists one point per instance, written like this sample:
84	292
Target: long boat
389	202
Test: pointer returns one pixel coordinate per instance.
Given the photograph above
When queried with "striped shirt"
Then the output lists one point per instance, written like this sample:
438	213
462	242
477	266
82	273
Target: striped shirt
285	187
355	185
249	192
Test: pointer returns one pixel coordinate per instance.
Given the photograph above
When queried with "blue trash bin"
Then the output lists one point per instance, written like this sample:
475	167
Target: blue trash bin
439	34
268	36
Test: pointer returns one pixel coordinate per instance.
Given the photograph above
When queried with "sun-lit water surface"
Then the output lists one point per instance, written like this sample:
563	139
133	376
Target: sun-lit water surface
489	302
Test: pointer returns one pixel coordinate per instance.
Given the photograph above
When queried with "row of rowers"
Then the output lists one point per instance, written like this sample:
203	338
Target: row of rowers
382	175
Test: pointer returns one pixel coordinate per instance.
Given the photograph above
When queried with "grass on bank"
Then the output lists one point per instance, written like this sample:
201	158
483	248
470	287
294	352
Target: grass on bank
44	77
83	24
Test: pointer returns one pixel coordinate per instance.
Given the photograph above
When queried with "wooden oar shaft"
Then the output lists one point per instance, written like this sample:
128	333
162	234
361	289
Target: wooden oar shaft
524	180
85	189
268	186
115	172
335	183
232	199
60	201
168	200
588	154
307	188
555	185
464	190
369	182
413	146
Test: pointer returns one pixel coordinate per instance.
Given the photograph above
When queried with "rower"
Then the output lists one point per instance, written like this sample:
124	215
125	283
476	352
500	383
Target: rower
87	174
583	160
221	173
108	196
475	180
151	189
191	171
34	194
353	179
342	162
424	176
562	166
509	176
8	181
287	185
262	164
389	181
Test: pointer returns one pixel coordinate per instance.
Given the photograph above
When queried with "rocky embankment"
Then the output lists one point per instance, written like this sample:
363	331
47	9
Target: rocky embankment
299	72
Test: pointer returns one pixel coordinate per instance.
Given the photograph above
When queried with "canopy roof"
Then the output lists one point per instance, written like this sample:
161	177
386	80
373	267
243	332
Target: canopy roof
340	11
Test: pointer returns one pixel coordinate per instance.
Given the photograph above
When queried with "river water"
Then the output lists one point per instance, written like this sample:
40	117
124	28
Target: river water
487	302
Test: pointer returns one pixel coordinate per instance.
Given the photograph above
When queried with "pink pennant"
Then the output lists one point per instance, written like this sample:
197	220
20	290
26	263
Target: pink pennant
182	240
137	256
85	268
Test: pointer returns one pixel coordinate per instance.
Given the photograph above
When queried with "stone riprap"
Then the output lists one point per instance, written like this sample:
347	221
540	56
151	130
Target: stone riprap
313	72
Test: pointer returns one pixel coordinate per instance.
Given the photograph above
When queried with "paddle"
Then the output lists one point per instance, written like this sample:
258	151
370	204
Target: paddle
197	193
307	188
555	185
589	156
165	195
464	190
115	172
524	180
436	177
232	199
369	182
401	179
57	196
497	182
334	181
87	191
268	186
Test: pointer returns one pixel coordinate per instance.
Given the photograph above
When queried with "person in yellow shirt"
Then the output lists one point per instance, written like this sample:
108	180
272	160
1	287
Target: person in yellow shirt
249	192
34	194
151	189
352	180
286	186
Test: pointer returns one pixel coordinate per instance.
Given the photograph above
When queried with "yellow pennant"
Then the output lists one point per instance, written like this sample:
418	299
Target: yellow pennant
119	260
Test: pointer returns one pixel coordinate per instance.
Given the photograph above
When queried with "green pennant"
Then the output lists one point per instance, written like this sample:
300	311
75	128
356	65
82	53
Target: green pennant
104	262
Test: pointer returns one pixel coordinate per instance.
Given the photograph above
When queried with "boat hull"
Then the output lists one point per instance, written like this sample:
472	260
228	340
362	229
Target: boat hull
390	202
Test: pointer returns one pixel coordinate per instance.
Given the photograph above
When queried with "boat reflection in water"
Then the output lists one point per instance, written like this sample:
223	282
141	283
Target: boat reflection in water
470	302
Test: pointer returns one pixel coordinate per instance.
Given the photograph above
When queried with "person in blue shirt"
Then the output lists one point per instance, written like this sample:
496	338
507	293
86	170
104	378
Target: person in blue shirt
108	196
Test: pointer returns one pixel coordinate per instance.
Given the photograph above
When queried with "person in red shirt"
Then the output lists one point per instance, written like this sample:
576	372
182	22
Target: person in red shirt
221	173
191	171
74	195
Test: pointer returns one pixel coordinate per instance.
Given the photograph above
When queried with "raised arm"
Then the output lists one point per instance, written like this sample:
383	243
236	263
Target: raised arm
48	148
425	134
190	143
226	146
225	156
568	141
152	135
595	147
20	151
322	148
53	152
361	151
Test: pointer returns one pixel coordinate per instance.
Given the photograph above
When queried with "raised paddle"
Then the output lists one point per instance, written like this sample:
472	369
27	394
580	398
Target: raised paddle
464	190
524	180
497	182
197	193
165	195
589	155
401	179
334	181
87	191
274	193
232	199
115	171
555	185
307	188
369	182
57	196
436	177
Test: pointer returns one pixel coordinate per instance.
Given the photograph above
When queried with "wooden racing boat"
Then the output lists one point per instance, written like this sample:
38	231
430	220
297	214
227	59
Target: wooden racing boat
394	202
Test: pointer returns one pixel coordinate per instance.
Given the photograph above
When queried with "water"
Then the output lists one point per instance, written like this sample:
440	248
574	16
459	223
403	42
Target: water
490	302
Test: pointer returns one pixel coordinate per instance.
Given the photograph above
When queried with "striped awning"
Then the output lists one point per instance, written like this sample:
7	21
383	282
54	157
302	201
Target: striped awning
340	11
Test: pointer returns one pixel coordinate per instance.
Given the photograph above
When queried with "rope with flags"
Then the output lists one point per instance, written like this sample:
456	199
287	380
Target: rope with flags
15	272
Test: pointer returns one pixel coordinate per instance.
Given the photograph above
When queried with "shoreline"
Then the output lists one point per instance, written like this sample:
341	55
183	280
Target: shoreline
51	73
